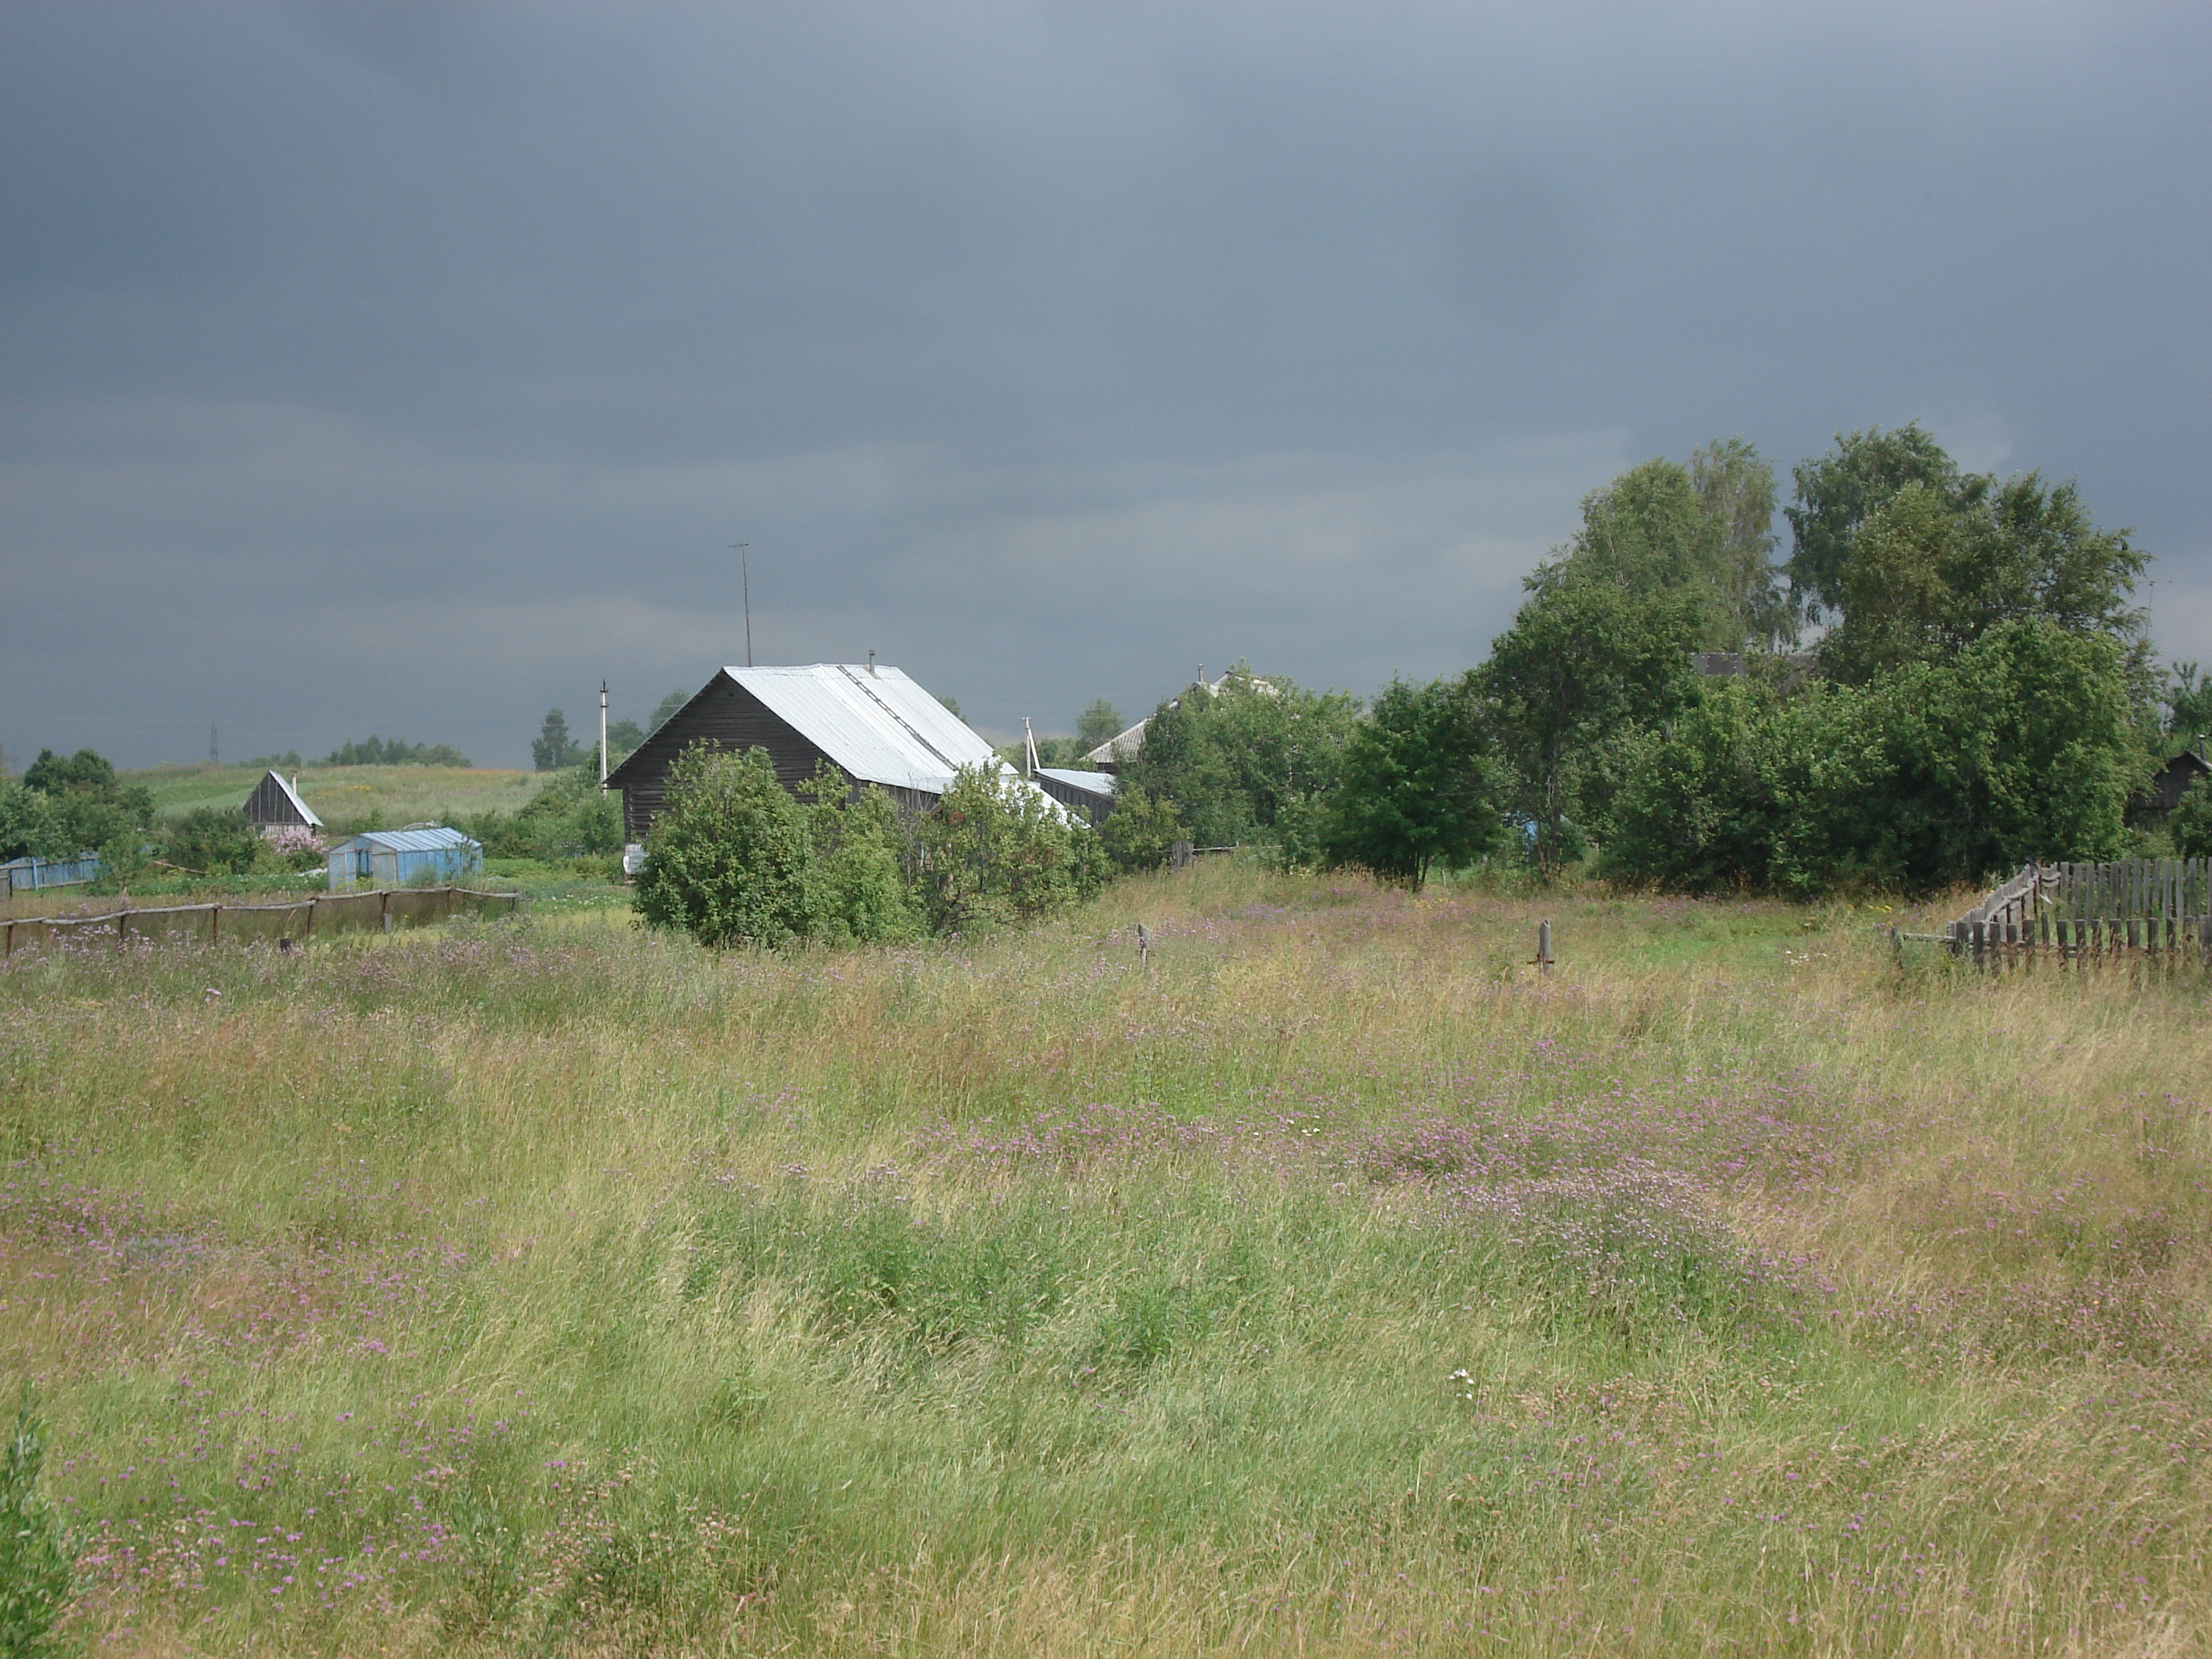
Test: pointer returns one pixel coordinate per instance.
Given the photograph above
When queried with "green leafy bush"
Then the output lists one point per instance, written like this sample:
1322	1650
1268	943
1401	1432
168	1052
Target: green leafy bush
861	890
1240	757
209	840
571	817
38	1557
2023	747
1417	786
736	859
1141	831
2190	824
730	861
72	805
27	822
995	850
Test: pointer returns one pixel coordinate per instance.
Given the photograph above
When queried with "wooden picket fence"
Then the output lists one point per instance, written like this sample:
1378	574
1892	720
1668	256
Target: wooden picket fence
288	925
2129	909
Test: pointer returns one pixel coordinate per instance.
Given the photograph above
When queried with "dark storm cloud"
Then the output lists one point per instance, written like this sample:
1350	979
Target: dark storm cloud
411	367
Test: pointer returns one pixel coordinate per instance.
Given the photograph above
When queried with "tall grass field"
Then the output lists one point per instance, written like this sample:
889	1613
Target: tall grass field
1327	1282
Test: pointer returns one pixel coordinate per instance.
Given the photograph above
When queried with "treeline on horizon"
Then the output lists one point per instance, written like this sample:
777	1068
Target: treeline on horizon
1945	676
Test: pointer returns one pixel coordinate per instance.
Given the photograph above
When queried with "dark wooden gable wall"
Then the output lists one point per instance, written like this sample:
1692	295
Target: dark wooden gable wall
268	803
725	715
2167	785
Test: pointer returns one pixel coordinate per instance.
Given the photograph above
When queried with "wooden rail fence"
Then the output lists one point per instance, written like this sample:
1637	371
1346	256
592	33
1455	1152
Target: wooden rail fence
2129	907
284	925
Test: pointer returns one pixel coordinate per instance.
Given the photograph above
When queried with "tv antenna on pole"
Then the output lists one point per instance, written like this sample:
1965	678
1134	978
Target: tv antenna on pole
746	575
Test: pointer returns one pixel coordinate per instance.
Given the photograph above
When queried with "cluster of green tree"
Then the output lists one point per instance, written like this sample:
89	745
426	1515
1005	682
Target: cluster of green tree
1405	785
289	761
1981	693
571	817
374	751
553	749
1245	760
65	806
61	806
736	859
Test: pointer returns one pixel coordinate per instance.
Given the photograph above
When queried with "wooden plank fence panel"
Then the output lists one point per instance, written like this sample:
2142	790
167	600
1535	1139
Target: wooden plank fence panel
299	920
2159	909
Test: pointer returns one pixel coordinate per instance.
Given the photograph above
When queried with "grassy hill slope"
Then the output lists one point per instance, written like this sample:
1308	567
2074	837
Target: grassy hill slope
346	796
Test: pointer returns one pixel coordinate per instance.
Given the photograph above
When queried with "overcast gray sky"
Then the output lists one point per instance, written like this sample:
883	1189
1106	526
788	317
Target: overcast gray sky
409	368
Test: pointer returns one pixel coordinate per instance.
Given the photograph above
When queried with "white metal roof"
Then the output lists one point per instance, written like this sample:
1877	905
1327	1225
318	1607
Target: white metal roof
877	724
1094	783
422	838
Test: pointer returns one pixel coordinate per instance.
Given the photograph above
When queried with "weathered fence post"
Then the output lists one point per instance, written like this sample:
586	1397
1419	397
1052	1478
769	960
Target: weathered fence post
1544	948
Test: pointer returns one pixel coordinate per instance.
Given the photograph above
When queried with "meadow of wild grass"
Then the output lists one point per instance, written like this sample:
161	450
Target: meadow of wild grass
1333	1286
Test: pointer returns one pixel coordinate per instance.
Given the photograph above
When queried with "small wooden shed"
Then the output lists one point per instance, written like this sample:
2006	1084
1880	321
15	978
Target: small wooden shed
2168	785
275	803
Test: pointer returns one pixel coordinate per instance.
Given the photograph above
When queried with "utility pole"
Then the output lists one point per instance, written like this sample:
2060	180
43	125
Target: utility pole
1029	744
603	734
746	575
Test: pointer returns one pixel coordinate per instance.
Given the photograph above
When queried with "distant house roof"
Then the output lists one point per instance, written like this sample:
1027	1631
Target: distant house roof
274	800
1122	746
416	838
2168	784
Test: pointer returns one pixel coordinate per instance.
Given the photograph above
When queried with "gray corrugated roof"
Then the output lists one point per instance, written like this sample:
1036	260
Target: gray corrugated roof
879	726
1096	783
429	839
1121	746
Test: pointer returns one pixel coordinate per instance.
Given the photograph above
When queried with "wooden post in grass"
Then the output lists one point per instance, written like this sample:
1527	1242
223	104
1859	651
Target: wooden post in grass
1544	947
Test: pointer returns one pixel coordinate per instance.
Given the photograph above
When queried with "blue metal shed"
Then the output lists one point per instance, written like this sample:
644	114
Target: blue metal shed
393	857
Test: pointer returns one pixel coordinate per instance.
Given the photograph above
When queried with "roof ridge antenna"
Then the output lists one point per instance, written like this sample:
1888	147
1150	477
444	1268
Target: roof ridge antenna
745	576
861	686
